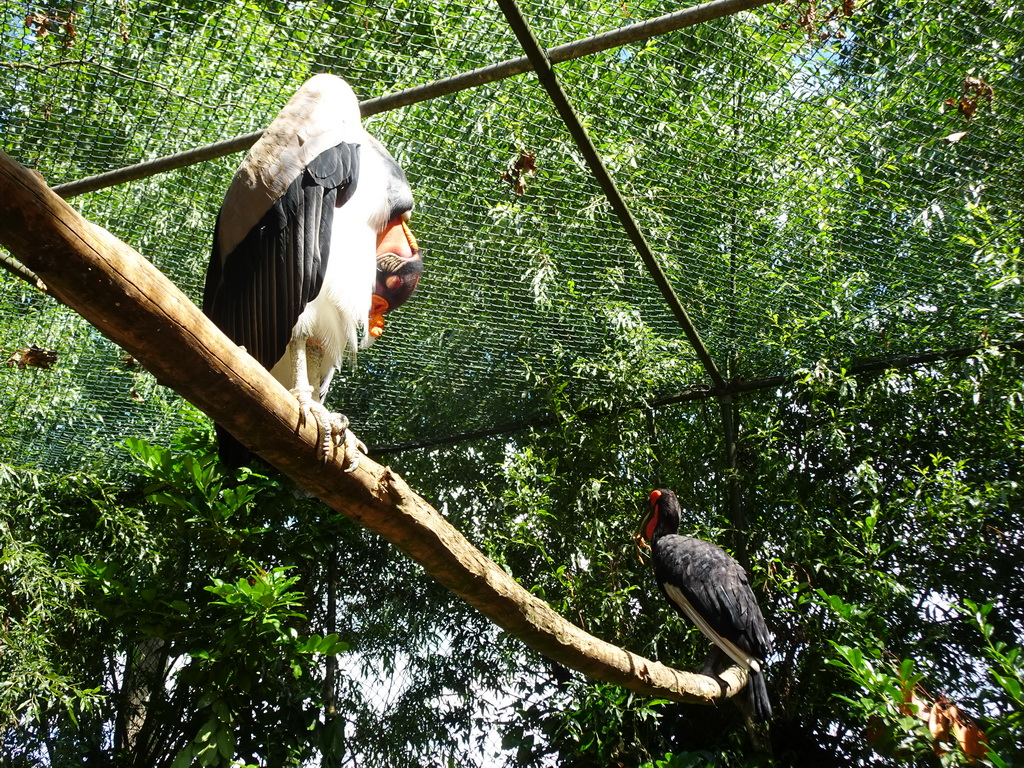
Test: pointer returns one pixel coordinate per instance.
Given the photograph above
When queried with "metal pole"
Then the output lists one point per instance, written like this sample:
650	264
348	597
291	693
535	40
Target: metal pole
546	73
900	362
643	30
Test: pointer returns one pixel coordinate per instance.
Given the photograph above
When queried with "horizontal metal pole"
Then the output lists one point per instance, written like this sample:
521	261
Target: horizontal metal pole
733	388
632	33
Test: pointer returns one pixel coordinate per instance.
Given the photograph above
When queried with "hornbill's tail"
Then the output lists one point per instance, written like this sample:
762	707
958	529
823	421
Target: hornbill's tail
759	697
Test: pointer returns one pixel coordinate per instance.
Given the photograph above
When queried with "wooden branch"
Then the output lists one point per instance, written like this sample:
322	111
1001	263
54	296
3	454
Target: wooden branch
43	67
122	75
131	302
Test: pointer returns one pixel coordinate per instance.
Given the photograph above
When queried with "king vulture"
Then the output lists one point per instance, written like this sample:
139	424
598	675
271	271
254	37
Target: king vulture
311	246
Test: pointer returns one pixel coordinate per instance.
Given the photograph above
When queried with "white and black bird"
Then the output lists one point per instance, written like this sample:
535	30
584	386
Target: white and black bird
707	586
312	245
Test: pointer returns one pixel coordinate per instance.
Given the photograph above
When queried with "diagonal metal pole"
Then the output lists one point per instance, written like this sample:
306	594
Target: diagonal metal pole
545	70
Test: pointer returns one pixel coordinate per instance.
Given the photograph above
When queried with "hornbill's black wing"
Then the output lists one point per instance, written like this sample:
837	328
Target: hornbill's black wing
717	588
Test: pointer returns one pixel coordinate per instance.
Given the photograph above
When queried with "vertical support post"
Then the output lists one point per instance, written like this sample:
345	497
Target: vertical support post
734	488
727	400
330	628
652	435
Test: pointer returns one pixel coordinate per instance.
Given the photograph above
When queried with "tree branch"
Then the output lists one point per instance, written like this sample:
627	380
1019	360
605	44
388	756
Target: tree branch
131	302
18	269
16	65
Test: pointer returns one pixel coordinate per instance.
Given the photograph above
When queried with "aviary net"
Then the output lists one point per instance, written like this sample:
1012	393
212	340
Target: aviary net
830	186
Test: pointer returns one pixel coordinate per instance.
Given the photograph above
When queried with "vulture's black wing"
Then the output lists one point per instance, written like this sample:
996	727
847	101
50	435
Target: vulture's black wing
256	292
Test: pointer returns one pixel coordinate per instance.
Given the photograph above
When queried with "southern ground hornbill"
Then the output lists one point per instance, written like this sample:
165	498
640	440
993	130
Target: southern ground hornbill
707	586
311	247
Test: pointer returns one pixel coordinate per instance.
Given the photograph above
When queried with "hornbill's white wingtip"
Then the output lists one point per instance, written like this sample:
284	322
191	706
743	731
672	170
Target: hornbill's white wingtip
728	647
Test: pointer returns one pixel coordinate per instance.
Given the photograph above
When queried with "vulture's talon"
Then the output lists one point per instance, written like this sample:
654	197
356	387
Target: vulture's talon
305	397
310	407
354	448
332	430
351	446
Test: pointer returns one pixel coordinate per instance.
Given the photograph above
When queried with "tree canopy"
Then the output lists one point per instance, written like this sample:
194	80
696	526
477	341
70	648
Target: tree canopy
835	196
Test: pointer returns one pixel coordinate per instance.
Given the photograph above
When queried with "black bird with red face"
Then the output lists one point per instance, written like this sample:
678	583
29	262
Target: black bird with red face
707	586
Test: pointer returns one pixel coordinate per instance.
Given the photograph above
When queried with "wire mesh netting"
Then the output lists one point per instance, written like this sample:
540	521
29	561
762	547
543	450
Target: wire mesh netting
821	185
818	186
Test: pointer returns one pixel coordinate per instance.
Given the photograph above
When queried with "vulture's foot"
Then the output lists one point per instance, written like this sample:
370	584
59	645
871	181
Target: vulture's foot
332	430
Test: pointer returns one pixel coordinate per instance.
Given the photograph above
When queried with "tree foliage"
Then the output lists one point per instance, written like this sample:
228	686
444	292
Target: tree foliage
830	195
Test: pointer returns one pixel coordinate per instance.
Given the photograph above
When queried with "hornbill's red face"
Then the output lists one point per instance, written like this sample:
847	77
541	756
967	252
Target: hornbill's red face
645	532
650	521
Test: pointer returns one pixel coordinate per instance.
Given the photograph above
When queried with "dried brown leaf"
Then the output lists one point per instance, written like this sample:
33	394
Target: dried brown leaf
518	169
33	356
973	742
967	107
939	722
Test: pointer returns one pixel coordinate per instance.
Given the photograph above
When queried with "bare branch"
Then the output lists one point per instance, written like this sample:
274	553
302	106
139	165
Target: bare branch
90	61
18	269
131	302
44	67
